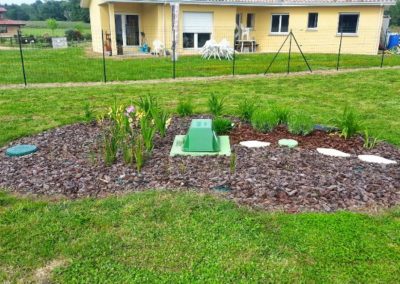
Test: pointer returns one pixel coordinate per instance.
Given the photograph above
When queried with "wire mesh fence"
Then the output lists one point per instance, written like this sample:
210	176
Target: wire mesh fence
227	51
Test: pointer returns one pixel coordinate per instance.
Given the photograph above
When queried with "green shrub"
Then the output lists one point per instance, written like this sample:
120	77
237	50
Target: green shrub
147	132
246	109
222	125
300	124
89	116
348	123
184	108
215	105
370	142
282	113
264	121
160	117
148	104
139	152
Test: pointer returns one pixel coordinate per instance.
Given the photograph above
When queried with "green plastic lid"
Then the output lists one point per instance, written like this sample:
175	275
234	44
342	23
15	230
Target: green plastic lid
291	143
21	150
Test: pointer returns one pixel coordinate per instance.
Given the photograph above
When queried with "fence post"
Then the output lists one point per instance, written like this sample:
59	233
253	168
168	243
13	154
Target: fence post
276	55
340	50
290	50
173	55
233	62
22	56
384	48
104	58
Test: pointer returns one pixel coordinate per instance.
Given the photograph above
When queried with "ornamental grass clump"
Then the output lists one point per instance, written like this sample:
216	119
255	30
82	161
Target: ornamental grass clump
161	120
264	121
300	124
222	125
282	113
348	123
147	131
246	109
184	108
148	104
215	104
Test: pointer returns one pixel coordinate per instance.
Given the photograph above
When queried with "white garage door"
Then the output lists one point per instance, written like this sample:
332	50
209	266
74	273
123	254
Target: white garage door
196	22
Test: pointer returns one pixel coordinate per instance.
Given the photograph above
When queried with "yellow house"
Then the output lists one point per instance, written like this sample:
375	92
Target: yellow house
123	26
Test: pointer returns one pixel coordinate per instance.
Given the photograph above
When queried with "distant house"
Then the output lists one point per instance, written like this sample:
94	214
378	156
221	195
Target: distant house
8	28
258	25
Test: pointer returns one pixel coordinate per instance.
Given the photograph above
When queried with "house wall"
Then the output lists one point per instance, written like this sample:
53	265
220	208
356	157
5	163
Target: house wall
156	22
325	38
11	31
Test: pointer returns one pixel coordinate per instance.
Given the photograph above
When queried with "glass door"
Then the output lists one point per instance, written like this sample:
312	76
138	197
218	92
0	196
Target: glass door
127	30
132	29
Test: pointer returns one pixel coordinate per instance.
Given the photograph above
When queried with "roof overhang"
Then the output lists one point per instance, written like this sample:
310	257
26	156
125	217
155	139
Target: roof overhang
255	3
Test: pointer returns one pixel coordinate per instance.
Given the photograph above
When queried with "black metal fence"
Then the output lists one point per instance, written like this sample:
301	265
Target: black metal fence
25	61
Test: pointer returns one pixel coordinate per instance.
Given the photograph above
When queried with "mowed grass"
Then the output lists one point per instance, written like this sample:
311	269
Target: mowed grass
375	94
40	28
74	65
170	237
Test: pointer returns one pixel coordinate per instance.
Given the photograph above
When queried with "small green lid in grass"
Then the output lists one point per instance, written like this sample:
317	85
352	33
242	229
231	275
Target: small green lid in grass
291	143
21	150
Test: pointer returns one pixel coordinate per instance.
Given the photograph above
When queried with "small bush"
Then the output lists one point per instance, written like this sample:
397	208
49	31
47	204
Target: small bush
184	108
147	132
215	104
264	121
282	113
89	116
148	104
246	109
160	121
222	125
300	124
348	123
370	142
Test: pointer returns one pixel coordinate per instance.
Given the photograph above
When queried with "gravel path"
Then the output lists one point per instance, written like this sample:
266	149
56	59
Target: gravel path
272	178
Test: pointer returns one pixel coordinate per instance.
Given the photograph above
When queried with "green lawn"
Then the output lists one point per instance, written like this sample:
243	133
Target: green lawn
73	65
168	237
184	237
40	28
375	94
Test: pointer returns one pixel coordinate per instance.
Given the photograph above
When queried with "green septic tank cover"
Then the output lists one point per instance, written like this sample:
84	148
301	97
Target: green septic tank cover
201	137
21	150
291	143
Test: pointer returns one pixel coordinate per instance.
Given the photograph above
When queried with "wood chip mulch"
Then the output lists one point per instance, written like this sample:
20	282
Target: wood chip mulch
68	163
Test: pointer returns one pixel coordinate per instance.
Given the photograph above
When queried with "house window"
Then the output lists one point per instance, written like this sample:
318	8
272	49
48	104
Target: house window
348	23
312	20
280	23
3	29
195	40
250	20
197	28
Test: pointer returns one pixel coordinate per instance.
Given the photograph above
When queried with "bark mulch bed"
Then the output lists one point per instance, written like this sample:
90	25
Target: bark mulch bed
273	178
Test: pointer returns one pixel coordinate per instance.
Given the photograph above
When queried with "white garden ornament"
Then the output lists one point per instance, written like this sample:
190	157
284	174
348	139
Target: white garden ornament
332	152
254	144
375	159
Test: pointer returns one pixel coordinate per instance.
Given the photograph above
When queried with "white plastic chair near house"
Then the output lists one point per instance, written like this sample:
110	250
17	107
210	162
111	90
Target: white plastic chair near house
210	49
158	47
245	33
225	49
217	50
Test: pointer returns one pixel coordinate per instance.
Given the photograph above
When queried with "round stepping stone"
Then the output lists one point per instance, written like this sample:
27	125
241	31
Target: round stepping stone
291	143
254	144
332	152
375	159
21	150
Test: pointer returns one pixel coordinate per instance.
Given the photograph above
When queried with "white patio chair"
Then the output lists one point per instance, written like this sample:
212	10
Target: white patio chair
225	50
158	47
245	33
210	49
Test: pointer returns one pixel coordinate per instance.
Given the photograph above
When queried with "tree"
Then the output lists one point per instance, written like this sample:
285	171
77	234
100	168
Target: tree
394	13
52	24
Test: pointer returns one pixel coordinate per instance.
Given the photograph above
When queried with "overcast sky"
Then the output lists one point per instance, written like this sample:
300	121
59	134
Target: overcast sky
2	2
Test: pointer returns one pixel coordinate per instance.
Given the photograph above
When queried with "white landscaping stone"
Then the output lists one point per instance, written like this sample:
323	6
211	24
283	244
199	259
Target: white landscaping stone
375	159
332	152
254	144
